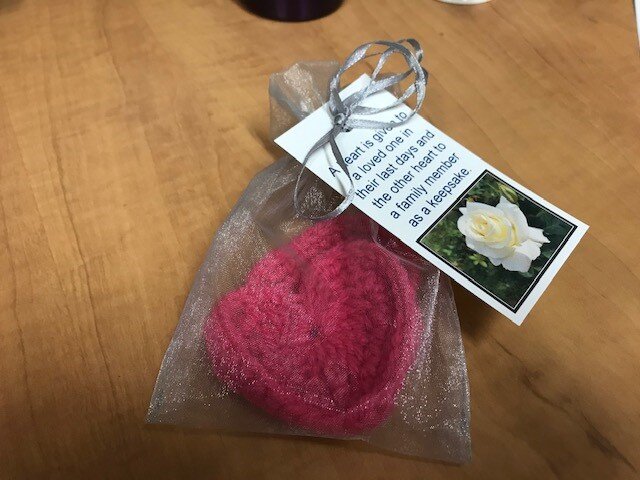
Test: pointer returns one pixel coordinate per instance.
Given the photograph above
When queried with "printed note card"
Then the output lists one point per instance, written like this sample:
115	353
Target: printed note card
490	234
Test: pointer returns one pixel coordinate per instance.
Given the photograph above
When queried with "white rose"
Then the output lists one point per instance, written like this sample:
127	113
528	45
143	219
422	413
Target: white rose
501	234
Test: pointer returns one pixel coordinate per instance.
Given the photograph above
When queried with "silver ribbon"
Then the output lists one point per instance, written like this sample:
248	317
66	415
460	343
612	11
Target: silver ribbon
349	113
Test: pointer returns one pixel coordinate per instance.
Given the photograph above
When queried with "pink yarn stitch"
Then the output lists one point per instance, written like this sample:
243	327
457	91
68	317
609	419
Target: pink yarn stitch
323	332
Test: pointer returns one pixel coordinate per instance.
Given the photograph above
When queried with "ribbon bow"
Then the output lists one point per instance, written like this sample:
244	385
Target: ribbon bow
349	113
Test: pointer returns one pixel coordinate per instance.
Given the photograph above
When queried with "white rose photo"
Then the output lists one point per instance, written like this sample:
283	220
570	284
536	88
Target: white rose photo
501	234
499	238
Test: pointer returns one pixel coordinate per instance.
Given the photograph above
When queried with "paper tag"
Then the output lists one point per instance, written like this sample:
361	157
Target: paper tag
490	234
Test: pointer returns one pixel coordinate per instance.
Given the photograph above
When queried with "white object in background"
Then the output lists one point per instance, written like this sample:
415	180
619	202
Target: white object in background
636	7
465	2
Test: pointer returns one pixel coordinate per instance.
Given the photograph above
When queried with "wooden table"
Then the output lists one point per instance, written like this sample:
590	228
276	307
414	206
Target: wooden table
128	128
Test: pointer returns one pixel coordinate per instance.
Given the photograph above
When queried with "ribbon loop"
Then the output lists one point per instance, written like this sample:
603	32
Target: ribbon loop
349	113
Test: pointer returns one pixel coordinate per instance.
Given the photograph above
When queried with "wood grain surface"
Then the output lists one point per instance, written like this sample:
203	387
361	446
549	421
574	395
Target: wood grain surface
128	128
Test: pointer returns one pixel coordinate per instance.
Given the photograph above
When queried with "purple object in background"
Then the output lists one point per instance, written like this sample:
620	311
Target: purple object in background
291	10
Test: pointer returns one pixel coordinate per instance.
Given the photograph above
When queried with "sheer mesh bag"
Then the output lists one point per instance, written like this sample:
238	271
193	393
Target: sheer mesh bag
330	328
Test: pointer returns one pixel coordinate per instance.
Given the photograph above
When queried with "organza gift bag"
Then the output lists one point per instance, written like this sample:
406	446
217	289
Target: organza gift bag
328	329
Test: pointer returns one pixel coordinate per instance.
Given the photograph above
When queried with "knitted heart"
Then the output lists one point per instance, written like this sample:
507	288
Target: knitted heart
322	333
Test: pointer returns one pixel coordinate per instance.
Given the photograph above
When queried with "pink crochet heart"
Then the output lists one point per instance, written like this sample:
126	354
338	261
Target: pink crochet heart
323	332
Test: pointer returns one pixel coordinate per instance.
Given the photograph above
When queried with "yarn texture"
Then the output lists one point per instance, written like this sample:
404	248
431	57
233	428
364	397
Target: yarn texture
323	331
